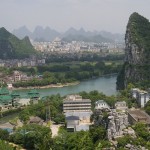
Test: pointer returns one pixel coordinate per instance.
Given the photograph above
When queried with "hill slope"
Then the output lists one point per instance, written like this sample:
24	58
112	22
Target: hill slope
136	68
12	47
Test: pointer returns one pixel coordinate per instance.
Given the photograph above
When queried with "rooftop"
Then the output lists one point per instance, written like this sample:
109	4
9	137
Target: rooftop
121	102
4	91
76	98
100	101
139	114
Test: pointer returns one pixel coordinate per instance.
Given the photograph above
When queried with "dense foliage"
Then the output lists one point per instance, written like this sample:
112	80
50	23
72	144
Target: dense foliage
94	139
90	57
68	72
5	146
54	103
32	136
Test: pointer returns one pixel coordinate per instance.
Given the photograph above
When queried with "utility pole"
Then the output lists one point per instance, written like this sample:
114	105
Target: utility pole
48	117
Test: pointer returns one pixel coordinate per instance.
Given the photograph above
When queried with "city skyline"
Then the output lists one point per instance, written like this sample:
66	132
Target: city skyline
108	15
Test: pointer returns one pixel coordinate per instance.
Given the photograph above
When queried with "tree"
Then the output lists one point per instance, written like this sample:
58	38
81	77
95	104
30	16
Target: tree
32	136
142	131
5	146
4	134
97	133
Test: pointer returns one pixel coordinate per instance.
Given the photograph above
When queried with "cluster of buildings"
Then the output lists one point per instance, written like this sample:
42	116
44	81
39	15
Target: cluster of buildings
76	46
28	62
120	117
10	100
142	97
78	113
15	77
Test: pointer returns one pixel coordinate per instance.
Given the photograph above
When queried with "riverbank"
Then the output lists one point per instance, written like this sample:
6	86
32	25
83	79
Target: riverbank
105	84
59	85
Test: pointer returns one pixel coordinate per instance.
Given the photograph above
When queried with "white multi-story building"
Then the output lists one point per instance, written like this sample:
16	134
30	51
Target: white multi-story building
75	103
142	97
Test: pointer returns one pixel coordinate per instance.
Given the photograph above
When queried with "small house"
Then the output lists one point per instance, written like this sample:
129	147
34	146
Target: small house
101	104
121	105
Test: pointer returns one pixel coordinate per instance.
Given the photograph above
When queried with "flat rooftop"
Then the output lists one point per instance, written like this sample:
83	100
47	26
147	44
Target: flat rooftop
139	114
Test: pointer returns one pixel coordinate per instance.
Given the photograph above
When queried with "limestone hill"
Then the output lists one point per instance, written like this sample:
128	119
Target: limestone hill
11	47
136	68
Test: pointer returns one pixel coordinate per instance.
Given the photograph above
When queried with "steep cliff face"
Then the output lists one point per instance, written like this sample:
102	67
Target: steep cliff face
136	68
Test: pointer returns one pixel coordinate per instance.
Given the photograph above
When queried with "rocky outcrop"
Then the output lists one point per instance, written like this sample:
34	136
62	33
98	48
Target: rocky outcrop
137	52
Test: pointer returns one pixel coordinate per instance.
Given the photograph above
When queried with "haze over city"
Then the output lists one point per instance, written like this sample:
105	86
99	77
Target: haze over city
109	15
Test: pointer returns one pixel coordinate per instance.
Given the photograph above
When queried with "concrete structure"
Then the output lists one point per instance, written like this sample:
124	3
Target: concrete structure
72	122
136	115
101	104
122	106
142	97
74	103
134	92
17	76
84	117
75	123
77	112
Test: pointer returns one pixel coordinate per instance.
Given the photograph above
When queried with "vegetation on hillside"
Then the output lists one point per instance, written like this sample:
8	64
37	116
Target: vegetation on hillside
136	69
11	47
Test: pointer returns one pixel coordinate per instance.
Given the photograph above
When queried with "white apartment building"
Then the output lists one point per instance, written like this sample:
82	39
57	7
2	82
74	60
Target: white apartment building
142	97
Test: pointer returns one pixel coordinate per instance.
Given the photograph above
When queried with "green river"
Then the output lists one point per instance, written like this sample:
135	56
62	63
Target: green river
105	84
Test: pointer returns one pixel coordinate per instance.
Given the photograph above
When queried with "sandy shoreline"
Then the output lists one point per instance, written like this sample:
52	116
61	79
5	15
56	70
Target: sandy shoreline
47	86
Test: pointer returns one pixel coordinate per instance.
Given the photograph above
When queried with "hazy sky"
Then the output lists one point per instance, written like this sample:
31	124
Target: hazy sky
110	15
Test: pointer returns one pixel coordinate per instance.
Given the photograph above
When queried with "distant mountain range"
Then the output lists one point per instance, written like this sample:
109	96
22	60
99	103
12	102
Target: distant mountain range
12	47
48	34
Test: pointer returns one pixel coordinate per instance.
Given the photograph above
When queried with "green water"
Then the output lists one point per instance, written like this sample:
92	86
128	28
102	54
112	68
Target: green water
106	84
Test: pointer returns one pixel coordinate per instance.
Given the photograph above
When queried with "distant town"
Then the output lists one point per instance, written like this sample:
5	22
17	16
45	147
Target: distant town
57	45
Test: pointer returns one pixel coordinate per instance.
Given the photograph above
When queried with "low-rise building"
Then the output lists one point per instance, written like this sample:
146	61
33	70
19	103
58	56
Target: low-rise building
121	105
72	122
101	104
137	115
